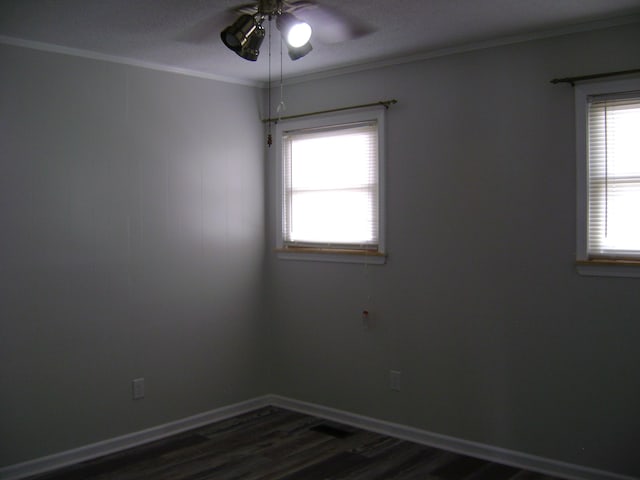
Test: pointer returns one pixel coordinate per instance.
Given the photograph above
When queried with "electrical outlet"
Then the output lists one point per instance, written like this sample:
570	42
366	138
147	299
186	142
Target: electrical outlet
394	380
138	388
366	318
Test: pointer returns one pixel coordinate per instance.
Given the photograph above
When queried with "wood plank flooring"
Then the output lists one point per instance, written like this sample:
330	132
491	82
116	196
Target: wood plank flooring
276	444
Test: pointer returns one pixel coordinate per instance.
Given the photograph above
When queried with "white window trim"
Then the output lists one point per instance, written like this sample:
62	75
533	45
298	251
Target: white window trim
354	116
584	265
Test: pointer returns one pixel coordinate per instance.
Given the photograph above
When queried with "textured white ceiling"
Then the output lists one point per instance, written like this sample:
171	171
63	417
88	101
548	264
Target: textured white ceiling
161	32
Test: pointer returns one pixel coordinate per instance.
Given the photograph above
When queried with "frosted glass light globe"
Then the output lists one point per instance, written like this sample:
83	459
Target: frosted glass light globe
299	35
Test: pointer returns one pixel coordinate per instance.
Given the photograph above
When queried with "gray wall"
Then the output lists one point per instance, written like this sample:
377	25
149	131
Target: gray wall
132	238
132	234
499	340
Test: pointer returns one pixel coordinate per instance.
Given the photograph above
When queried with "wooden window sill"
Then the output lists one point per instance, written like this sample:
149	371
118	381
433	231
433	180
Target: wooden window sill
602	267
341	255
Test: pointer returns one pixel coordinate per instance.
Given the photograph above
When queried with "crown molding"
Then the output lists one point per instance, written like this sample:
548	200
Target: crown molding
77	52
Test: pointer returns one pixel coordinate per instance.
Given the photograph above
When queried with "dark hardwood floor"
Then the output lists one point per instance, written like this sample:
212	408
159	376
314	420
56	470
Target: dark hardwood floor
276	444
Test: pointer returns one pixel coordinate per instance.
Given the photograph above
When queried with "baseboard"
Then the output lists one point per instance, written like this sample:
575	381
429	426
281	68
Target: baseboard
94	450
457	445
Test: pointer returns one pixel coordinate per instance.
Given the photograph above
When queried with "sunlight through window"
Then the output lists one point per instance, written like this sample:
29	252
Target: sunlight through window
614	177
331	186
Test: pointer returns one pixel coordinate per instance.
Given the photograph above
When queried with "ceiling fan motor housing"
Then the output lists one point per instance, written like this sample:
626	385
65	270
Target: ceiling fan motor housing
270	7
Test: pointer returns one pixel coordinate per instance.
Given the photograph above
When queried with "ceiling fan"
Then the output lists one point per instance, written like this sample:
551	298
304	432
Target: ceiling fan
296	20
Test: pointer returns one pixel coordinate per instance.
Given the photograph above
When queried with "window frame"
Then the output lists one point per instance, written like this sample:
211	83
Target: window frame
339	253
585	265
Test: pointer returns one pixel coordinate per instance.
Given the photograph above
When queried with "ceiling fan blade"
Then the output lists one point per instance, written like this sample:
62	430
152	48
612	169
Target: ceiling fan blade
204	31
247	8
331	25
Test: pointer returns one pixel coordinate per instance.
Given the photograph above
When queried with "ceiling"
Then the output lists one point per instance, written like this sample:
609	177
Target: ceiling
161	33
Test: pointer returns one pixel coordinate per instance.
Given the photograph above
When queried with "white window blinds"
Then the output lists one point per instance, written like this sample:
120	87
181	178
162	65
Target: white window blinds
330	180
614	176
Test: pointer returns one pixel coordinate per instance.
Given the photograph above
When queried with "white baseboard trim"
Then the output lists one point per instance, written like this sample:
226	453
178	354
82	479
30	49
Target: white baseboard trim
457	445
423	437
94	450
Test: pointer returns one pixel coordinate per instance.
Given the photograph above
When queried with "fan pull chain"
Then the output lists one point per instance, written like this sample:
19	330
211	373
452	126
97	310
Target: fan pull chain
281	106
269	137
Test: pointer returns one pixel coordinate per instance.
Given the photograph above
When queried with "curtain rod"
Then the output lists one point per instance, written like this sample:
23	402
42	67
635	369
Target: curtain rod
573	80
384	103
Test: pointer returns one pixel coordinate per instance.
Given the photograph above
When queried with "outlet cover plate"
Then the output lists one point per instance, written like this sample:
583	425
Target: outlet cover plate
394	380
138	388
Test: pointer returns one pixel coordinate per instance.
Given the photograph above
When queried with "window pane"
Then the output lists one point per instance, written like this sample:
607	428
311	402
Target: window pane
333	217
623	229
623	141
614	177
331	162
331	185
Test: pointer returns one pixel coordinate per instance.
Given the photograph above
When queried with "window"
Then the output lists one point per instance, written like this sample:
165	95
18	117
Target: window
330	187
608	137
